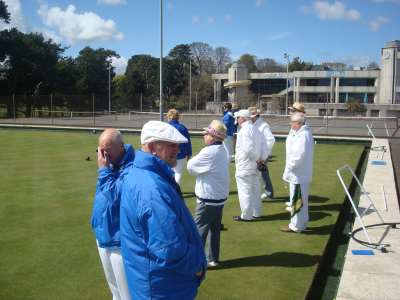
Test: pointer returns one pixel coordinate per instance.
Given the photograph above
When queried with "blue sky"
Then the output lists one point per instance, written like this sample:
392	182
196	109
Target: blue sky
350	31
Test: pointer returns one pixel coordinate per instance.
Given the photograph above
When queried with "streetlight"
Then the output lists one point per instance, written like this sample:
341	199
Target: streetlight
190	83
109	87
161	58
286	56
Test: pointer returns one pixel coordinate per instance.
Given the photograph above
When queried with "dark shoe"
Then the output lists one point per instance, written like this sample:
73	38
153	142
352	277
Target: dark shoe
239	219
223	228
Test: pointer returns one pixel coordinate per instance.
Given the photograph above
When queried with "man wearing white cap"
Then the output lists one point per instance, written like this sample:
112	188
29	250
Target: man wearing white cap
298	171
211	168
269	138
162	250
250	152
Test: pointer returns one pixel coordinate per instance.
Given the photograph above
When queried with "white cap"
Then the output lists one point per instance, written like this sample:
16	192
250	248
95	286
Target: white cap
245	113
161	131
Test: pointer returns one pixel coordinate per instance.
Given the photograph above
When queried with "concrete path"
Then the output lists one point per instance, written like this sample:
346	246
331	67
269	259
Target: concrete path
375	276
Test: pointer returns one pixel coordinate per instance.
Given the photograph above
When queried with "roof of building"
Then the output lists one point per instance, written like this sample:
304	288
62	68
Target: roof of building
393	44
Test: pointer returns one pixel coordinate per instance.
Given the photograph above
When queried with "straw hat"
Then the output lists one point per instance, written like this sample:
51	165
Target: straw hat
173	114
297	106
154	131
216	129
254	111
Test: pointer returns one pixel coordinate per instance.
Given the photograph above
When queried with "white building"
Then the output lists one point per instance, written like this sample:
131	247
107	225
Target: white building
322	92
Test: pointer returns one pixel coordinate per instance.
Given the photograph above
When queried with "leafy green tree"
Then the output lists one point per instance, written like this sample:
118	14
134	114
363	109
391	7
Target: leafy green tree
298	65
249	61
4	14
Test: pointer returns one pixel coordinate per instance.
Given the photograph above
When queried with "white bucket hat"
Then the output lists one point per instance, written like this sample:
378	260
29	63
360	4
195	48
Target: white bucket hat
159	131
242	113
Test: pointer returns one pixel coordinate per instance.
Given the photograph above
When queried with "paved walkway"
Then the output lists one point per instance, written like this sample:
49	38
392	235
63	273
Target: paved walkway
375	276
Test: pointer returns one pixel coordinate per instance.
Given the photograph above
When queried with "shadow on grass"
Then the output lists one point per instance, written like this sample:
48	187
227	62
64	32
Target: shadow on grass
315	198
187	195
313	215
319	230
278	259
336	207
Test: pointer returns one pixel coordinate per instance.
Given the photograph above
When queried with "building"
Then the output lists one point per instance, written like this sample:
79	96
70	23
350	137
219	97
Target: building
324	92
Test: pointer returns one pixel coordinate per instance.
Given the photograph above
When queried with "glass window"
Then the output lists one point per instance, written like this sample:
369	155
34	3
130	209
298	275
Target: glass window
315	81
357	81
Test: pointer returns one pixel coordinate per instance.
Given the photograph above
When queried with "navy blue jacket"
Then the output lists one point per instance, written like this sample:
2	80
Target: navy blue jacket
160	244
229	122
105	216
184	149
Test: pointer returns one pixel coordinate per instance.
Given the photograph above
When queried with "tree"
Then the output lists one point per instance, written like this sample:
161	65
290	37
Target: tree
202	55
269	65
222	57
4	14
298	65
249	61
373	66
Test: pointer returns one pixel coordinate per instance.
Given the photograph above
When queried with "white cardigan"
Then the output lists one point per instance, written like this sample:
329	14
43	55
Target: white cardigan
211	168
264	128
299	156
250	147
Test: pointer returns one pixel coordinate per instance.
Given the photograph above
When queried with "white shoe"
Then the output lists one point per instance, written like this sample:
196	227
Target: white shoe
289	209
213	264
264	196
288	204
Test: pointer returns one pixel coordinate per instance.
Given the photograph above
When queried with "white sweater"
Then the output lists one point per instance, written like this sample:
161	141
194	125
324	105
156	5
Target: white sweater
211	168
299	156
250	147
264	128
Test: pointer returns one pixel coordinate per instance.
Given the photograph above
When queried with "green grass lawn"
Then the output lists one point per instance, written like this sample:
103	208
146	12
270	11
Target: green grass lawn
48	250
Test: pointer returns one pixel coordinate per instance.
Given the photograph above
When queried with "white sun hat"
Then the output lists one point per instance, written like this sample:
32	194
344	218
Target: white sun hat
160	131
242	113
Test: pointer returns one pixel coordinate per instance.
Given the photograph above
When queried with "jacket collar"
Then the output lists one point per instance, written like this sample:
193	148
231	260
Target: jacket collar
174	122
301	129
128	156
150	162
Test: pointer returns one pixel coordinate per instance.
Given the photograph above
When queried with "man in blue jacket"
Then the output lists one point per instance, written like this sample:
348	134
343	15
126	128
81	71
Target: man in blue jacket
162	250
229	122
113	158
185	149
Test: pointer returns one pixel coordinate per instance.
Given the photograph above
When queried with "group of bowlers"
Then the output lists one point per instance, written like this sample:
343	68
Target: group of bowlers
149	244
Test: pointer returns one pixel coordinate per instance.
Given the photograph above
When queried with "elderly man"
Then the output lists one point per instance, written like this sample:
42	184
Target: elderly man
269	138
229	122
162	250
298	171
211	168
113	158
185	149
250	153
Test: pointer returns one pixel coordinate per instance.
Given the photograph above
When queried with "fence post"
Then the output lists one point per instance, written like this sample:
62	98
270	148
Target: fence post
51	109
94	114
13	99
196	110
141	102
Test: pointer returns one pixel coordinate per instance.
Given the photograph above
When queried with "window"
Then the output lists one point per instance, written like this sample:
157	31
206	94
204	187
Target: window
357	81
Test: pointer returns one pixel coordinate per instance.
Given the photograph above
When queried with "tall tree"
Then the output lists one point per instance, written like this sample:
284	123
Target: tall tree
4	14
269	65
249	61
203	56
222	57
298	65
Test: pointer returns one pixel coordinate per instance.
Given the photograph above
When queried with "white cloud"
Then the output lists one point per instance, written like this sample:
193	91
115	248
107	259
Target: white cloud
75	27
119	64
17	18
259	3
111	2
228	18
278	36
48	34
336	11
376	23
210	20
195	19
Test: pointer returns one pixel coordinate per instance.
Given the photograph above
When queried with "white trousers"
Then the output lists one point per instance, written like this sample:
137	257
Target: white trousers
114	271
249	195
180	164
300	220
228	144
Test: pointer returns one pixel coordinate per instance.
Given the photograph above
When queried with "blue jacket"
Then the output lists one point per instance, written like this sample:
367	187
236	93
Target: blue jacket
184	149
229	122
160	244
105	215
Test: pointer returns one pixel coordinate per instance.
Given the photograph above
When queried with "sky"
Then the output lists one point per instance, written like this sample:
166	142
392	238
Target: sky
349	31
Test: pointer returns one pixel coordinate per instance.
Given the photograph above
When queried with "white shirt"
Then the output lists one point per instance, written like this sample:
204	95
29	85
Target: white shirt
250	147
299	156
211	168
264	128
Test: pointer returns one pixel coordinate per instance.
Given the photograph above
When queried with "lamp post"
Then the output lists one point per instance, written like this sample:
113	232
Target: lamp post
190	84
161	58
109	88
286	56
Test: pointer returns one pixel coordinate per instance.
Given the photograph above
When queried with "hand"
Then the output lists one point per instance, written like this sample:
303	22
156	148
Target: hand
200	273
102	158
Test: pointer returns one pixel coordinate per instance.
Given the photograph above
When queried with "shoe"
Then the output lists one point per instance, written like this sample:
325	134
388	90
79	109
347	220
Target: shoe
257	218
213	264
287	229
223	228
239	219
288	208
288	204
